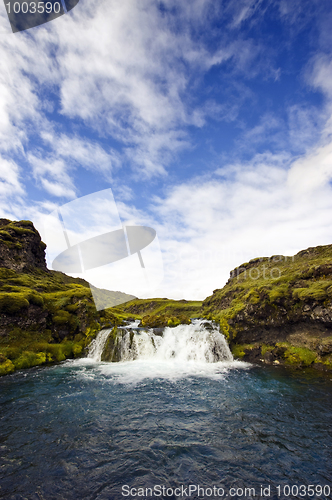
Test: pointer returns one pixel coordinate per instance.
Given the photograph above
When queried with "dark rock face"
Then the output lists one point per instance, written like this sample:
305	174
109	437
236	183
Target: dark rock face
112	351
21	247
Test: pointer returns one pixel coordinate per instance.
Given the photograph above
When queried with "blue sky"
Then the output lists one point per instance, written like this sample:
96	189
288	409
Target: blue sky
209	120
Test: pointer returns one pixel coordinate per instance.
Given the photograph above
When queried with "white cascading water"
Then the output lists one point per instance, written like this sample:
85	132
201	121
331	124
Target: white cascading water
182	344
97	345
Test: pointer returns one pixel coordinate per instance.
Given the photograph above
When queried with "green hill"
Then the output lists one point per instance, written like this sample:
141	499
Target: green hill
278	309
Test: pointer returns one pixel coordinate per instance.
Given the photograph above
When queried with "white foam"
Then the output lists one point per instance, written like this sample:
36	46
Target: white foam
183	351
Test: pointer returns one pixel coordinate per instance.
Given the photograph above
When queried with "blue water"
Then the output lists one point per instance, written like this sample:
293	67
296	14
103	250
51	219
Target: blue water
83	430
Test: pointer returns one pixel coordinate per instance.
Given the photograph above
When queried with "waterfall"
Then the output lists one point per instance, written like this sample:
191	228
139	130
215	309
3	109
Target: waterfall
199	342
97	345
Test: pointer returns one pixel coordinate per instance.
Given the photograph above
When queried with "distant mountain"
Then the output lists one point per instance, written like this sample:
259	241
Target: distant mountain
107	298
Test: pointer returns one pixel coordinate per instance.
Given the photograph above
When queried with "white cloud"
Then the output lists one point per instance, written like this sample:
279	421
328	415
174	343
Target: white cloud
10	182
321	73
124	68
82	152
57	189
209	226
53	176
311	173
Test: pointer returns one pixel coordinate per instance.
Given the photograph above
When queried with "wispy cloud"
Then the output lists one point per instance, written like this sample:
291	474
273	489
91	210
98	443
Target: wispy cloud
53	176
129	82
267	206
10	179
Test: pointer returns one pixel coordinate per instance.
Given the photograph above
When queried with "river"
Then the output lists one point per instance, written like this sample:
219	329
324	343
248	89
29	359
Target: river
177	417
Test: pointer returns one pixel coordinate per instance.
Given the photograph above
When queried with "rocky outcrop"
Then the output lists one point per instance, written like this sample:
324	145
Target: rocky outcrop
21	247
278	309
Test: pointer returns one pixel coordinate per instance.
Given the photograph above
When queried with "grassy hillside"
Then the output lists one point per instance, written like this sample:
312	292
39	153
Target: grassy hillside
46	317
278	309
162	312
272	310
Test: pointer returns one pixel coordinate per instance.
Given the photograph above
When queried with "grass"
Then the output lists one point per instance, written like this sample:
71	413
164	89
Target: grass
68	306
155	306
266	284
298	355
157	313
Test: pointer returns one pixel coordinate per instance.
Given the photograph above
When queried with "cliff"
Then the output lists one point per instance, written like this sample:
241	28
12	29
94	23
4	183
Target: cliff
278	309
45	316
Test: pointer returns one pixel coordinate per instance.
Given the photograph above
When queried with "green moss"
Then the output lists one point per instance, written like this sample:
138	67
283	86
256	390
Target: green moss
316	290
72	308
62	317
253	296
6	367
328	362
266	348
162	320
178	320
272	291
224	327
77	349
298	355
143	307
20	230
238	351
12	303
226	316
278	293
28	359
36	299
5	235
26	223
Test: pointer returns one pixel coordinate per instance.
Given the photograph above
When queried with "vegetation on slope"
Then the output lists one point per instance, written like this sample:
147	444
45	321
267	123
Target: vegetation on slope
46	317
278	308
156	313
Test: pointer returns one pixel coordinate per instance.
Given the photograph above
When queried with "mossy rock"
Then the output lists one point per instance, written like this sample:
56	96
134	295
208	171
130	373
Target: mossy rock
163	320
12	303
6	367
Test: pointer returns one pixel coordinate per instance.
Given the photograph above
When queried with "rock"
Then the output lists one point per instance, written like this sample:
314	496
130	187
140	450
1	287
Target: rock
325	349
269	358
21	247
207	326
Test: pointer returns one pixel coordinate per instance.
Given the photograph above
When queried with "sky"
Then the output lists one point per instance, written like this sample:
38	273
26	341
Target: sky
209	120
